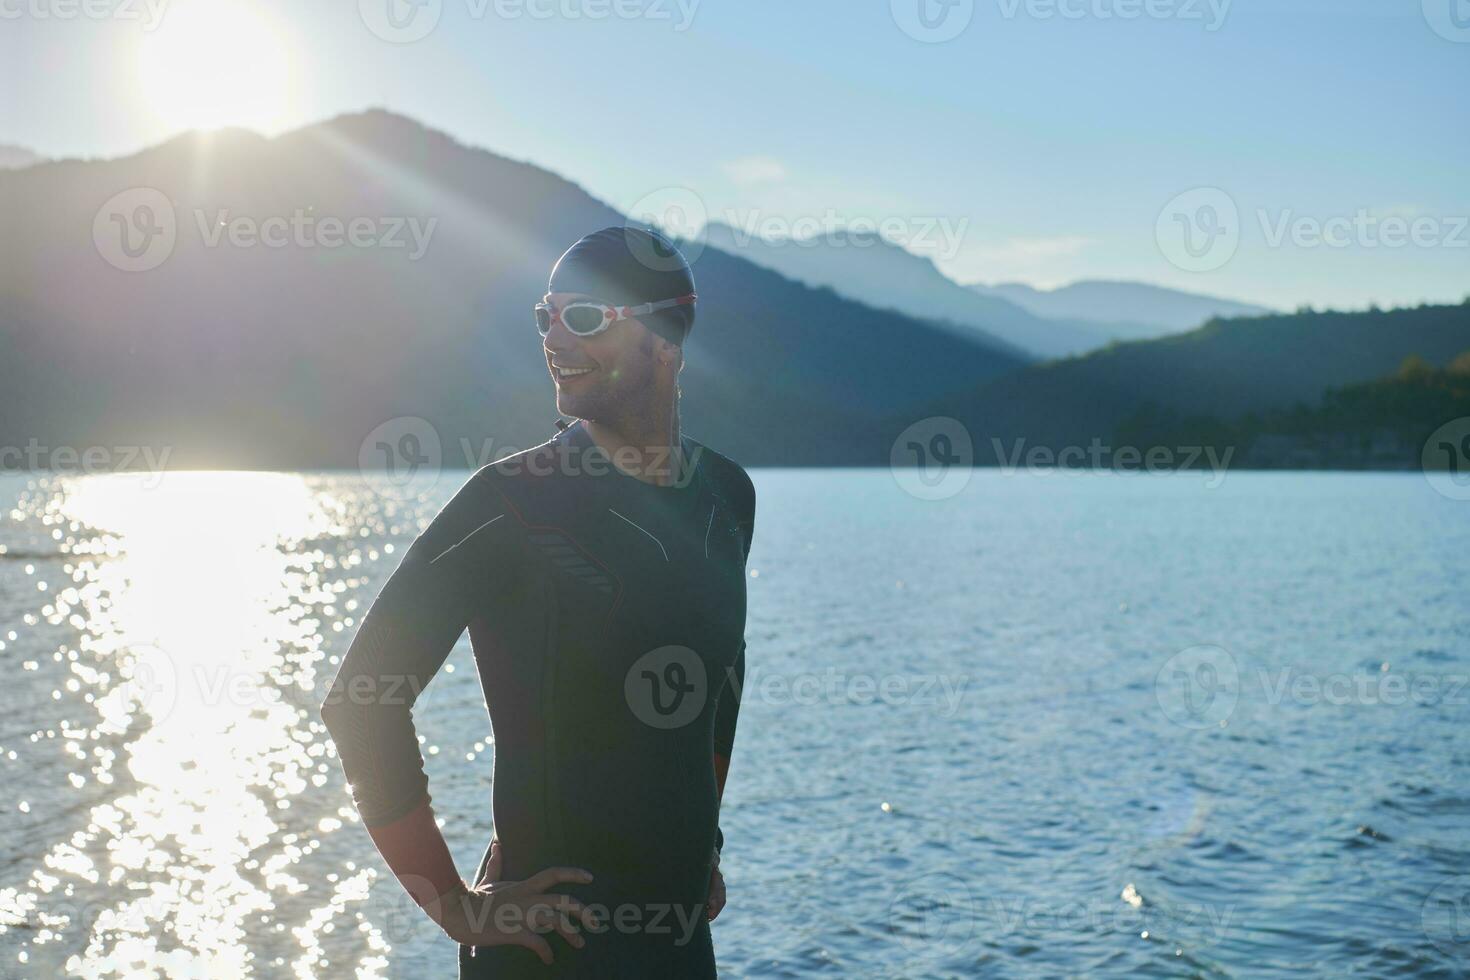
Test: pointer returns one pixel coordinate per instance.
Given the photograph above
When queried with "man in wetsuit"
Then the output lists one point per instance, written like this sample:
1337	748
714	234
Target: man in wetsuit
601	576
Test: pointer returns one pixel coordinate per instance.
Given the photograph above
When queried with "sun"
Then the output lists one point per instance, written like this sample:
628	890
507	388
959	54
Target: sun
214	63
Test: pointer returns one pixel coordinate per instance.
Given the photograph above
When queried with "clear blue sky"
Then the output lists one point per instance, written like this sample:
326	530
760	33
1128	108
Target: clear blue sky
1052	143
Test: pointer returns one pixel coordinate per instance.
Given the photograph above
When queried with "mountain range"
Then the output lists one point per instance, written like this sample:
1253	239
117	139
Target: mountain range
1135	310
1226	369
258	339
234	353
1073	320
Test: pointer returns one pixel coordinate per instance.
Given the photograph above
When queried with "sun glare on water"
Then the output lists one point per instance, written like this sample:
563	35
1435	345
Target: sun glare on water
198	603
216	63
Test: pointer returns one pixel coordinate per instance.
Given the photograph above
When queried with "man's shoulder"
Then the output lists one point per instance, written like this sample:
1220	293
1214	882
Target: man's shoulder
528	465
729	477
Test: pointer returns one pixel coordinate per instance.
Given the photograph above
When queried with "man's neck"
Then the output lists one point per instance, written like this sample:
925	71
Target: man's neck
646	449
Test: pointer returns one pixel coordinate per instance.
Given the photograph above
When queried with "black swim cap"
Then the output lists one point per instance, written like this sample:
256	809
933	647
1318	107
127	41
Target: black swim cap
627	266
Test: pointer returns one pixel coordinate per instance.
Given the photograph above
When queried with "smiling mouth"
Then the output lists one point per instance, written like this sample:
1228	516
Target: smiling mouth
568	373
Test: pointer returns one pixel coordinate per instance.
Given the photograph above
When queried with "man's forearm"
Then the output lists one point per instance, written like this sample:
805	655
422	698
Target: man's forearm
415	850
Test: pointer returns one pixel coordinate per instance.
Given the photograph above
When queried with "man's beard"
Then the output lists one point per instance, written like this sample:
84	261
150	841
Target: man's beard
611	401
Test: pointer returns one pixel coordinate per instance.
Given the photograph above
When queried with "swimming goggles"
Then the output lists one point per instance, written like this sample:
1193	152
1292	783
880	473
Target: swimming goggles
585	318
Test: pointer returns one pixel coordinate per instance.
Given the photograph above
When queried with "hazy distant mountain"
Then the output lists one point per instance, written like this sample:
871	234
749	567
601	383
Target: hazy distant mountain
868	268
234	352
1138	309
15	157
1225	369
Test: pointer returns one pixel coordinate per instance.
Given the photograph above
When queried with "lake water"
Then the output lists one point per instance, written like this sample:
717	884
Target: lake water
1052	725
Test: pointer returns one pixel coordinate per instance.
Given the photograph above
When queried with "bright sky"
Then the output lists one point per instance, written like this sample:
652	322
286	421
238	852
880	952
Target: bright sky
1047	141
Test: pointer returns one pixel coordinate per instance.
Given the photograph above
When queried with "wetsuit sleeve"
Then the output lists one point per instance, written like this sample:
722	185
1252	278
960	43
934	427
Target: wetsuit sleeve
726	713
403	640
727	710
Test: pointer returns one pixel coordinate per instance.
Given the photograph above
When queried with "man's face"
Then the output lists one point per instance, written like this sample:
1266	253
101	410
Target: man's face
601	376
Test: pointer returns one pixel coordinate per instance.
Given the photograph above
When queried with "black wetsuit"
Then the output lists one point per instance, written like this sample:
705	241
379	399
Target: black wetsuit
607	617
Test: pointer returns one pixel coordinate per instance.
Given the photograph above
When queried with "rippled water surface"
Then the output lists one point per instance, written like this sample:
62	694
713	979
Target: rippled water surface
1054	725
